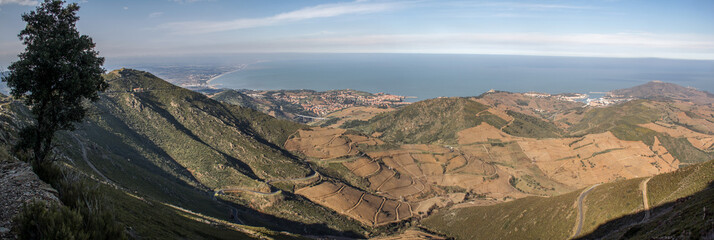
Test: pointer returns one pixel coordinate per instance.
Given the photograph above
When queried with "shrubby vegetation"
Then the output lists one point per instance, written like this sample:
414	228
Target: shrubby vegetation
84	215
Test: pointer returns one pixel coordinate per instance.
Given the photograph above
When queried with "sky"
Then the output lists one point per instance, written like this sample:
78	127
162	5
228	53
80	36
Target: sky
678	29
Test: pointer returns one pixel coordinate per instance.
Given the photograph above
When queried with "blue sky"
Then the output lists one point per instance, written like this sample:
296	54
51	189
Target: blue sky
680	29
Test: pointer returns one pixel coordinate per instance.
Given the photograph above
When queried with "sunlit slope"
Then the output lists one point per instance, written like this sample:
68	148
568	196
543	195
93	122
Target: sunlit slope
180	147
613	208
218	145
147	201
526	218
438	121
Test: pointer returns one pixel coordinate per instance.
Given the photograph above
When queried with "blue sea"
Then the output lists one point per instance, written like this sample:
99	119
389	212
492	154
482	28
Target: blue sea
433	75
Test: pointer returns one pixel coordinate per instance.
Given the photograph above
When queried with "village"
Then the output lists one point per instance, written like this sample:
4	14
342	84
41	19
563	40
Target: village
323	103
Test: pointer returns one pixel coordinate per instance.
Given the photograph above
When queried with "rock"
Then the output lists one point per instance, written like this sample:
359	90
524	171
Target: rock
19	185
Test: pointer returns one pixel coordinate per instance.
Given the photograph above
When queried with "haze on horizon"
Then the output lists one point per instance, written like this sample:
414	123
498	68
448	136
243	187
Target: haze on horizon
598	28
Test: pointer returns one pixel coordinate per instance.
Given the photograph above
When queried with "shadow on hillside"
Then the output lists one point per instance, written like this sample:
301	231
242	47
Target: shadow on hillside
664	221
252	217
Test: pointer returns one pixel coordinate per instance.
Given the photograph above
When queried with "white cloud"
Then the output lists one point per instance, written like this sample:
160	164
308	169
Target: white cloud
631	45
20	2
126	8
319	11
641	40
594	45
155	14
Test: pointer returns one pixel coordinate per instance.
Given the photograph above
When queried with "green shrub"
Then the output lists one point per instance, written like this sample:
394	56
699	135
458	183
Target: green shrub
81	197
38	220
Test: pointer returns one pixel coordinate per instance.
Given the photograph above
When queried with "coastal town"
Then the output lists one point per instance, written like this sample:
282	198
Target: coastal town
606	100
323	103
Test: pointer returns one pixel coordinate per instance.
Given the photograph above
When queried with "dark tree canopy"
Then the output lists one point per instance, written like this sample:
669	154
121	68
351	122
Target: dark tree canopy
58	70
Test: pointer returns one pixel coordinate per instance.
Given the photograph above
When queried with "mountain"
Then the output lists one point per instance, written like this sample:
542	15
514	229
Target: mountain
172	146
268	106
429	121
165	156
659	89
236	98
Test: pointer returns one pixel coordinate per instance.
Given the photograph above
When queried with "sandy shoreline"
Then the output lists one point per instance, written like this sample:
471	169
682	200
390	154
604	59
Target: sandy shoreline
240	67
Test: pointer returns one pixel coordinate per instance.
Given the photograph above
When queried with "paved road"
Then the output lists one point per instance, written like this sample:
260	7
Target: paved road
581	214
646	201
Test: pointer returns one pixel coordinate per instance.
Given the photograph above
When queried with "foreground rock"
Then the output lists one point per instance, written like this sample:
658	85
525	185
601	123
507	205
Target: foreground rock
19	185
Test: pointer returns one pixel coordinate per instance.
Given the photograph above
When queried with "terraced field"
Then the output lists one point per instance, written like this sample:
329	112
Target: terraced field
367	208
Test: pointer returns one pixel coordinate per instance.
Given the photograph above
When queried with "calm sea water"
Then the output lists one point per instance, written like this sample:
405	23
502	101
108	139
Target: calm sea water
429	75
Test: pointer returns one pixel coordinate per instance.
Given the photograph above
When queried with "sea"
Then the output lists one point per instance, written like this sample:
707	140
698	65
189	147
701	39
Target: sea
425	76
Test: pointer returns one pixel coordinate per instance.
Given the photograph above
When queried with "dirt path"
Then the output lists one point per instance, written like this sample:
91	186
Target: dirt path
376	214
314	175
84	156
221	191
361	197
504	126
581	214
643	187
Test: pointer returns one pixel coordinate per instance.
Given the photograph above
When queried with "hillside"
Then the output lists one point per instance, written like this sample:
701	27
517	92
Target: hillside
521	162
617	205
235	98
658	89
429	121
178	147
268	106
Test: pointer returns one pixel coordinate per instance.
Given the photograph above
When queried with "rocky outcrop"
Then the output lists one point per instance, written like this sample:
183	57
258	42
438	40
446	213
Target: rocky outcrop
19	185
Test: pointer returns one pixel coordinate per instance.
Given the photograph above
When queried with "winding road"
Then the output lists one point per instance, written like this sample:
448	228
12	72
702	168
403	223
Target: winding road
84	156
314	174
581	214
222	191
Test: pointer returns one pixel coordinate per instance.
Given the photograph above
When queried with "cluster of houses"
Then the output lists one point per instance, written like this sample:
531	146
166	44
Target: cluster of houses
322	103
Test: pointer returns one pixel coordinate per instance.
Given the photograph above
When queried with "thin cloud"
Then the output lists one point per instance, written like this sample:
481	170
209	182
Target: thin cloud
532	39
155	14
19	2
521	6
319	11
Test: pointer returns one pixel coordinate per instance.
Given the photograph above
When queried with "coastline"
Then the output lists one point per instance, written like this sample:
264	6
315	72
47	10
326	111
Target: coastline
240	67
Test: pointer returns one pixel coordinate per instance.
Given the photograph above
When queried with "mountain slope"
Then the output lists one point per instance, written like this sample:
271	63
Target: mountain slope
658	89
618	205
429	121
236	98
173	146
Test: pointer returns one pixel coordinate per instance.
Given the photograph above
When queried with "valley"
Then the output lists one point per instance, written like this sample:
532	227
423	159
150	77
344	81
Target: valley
518	165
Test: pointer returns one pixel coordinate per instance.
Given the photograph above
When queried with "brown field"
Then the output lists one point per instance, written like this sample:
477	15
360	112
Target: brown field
363	167
487	162
595	158
699	140
700	122
327	143
535	106
482	133
501	114
367	208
